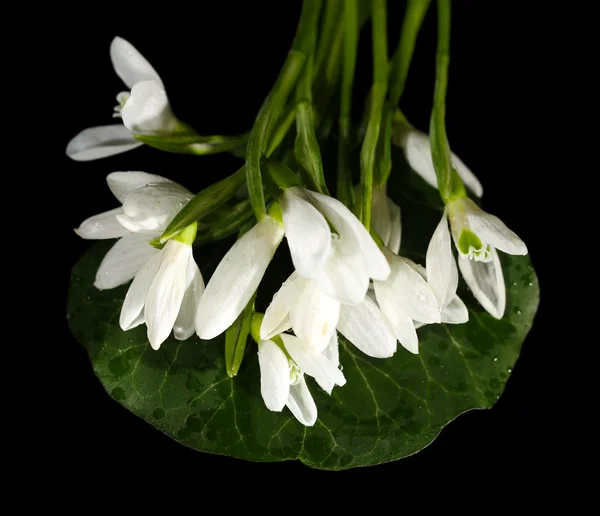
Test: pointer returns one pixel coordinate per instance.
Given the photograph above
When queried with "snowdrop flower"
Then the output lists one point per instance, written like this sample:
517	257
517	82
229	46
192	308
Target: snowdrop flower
236	278
144	110
341	261
165	292
301	305
417	150
282	380
149	202
476	234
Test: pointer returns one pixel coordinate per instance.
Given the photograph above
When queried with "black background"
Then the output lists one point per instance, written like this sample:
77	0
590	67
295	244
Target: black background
218	60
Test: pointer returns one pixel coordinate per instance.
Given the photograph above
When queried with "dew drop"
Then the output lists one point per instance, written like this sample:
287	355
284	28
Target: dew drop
514	283
519	312
98	225
495	359
509	370
530	284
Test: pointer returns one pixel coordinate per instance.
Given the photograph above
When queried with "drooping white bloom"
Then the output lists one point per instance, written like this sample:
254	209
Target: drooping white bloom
164	294
476	235
145	110
138	221
282	380
417	150
330	245
236	278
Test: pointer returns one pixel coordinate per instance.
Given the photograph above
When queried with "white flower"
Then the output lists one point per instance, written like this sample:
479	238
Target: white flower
476	235
342	260
417	150
135	223
164	294
282	380
145	110
236	278
386	219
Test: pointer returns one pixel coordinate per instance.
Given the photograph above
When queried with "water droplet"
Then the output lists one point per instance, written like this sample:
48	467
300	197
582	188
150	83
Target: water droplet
530	284
158	413
119	365
341	367
194	424
495	359
514	283
98	225
509	370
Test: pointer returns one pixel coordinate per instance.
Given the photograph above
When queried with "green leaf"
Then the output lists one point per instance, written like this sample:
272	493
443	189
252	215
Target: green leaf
389	408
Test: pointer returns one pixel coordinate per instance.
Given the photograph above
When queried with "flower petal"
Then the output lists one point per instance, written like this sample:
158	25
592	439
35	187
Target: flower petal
486	281
122	183
307	233
314	315
311	363
166	292
184	326
147	110
491	230
102	226
331	353
344	277
152	207
277	319
401	324
123	261
236	278
442	273
130	65
396	231
456	312
406	290
301	403
274	375
417	150
135	299
100	142
366	327
349	227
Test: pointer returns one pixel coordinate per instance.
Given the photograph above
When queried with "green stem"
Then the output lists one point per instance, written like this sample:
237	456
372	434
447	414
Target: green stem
345	192
329	32
272	106
378	92
449	183
413	19
194	143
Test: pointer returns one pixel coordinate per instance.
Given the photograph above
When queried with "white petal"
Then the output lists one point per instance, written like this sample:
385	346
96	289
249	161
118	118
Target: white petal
417	150
486	281
236	278
491	230
381	219
277	319
122	183
101	142
456	312
147	110
408	291
344	276
331	353
349	227
274	375
152	207
366	327
307	233
135	299
401	324
102	226
184	326
166	292
301	403
396	231
311	363
130	65
468	178
123	261
314	315
442	273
